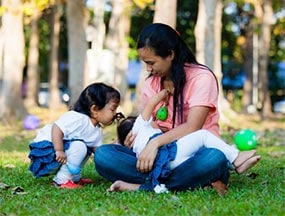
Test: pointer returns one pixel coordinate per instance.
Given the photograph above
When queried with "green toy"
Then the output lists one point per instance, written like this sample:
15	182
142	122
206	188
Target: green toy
245	139
162	113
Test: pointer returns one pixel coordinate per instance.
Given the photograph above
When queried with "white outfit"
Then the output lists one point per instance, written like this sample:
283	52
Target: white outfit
187	146
78	127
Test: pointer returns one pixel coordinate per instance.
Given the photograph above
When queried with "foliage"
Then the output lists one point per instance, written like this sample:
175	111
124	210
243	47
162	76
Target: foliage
241	12
187	12
142	15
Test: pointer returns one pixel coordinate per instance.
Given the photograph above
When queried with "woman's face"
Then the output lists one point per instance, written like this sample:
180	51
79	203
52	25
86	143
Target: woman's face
156	65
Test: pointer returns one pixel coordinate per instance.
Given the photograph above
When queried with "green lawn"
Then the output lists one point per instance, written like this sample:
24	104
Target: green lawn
257	192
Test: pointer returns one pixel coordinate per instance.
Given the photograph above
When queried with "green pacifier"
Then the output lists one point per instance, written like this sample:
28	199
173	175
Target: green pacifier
162	113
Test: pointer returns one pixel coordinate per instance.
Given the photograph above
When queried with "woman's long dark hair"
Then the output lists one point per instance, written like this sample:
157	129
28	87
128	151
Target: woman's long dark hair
98	94
163	39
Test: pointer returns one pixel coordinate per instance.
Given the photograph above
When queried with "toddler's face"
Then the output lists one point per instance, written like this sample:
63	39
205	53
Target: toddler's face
106	115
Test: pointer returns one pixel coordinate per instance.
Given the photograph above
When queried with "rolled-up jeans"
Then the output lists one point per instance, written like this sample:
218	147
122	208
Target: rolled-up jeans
116	162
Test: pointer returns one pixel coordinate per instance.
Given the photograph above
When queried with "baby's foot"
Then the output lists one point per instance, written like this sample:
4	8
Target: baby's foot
123	186
220	187
243	156
248	164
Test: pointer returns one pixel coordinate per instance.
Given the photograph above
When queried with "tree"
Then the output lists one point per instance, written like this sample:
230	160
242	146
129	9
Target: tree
208	31
119	28
13	61
32	78
96	36
54	100
33	10
256	35
77	48
161	7
264	14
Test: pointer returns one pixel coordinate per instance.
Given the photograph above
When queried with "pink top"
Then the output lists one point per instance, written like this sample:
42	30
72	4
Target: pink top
200	90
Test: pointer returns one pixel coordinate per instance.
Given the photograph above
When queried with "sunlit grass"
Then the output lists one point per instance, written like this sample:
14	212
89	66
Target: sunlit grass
257	192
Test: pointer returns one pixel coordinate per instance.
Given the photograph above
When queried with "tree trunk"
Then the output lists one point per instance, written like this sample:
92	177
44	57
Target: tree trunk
161	8
54	100
77	48
247	49
264	47
97	37
1	53
13	62
119	27
32	80
208	46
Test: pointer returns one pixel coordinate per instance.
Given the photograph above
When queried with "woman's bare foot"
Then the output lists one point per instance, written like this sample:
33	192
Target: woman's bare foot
248	164
243	156
123	186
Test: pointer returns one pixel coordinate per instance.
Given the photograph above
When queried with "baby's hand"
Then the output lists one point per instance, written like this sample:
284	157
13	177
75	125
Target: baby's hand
164	93
129	141
60	157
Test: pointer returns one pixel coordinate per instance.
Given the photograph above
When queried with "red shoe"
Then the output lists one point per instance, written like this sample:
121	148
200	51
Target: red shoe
69	185
84	181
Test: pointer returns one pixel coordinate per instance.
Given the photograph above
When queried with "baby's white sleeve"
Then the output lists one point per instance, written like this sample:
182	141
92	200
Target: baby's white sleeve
140	123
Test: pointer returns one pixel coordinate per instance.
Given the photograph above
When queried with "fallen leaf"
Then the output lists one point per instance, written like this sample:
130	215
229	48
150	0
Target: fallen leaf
18	191
4	186
9	166
252	175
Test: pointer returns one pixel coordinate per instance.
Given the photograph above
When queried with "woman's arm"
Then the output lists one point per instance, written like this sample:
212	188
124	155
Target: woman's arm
195	120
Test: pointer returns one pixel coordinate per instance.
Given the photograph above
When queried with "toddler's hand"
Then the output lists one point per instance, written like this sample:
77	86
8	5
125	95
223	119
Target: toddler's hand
60	157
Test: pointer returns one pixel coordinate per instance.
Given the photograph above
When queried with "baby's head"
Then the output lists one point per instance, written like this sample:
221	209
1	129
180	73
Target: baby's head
124	127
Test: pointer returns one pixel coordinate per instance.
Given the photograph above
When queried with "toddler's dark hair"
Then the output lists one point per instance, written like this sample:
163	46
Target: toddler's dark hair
124	127
98	94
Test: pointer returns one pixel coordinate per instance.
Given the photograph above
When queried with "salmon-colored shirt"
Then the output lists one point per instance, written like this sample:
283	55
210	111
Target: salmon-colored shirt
200	90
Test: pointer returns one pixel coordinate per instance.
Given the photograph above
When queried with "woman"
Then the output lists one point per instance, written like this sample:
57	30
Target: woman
192	105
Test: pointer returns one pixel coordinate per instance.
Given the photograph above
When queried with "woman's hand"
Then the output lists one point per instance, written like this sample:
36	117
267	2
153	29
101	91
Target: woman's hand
60	157
147	156
129	141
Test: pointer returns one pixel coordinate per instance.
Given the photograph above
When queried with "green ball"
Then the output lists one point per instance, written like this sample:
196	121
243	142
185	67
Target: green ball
245	139
162	113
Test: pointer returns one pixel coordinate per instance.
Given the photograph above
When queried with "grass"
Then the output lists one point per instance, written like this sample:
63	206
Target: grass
257	192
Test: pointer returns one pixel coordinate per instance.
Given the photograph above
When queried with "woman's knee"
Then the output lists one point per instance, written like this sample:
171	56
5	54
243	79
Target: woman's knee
101	154
209	164
212	157
217	165
104	157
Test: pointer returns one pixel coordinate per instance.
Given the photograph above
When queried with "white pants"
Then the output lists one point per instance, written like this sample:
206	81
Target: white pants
188	145
77	156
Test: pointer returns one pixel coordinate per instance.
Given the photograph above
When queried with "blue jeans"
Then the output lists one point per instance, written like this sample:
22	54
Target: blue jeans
116	162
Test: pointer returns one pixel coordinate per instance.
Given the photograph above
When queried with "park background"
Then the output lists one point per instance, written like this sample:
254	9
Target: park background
50	50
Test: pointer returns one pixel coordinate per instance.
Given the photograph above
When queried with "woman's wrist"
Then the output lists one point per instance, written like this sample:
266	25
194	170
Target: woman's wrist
57	151
156	143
